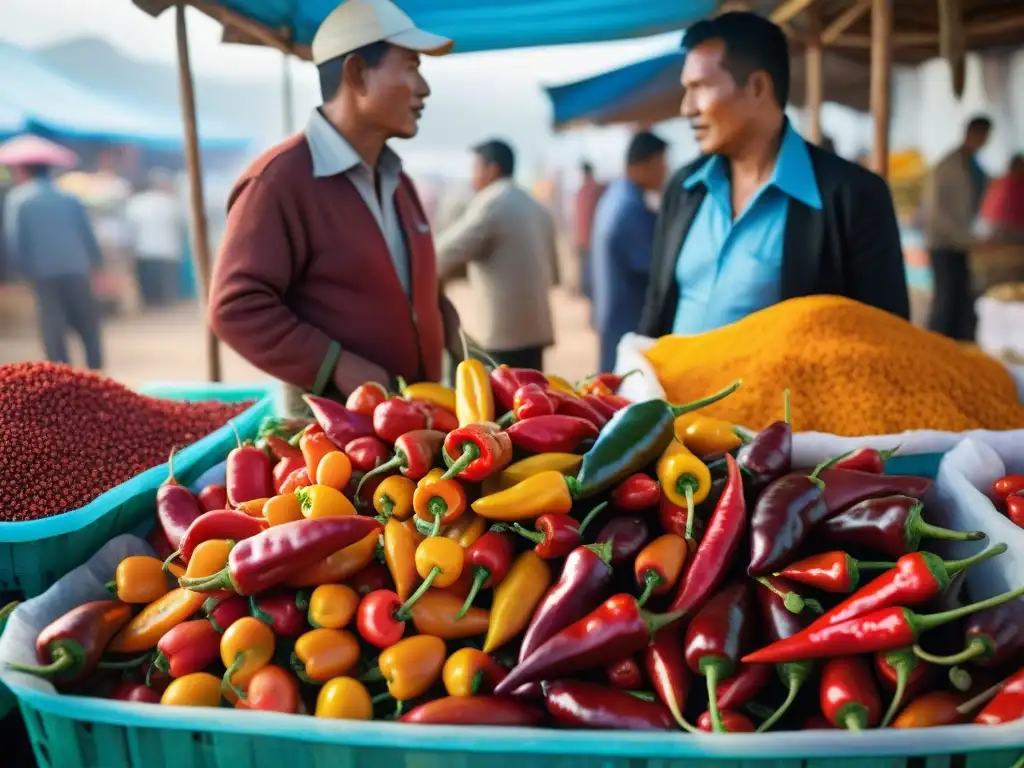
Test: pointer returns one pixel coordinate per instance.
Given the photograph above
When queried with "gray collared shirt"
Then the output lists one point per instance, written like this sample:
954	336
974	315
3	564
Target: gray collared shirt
332	155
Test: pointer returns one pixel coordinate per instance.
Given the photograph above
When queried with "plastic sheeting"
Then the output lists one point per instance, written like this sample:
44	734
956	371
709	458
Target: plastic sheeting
36	99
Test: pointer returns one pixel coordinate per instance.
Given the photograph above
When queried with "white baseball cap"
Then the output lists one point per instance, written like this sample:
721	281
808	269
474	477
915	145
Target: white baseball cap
355	23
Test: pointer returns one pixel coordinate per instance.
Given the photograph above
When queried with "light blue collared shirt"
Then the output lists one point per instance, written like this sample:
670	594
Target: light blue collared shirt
729	269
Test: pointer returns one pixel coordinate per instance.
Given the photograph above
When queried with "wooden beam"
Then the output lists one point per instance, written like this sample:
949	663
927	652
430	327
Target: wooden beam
813	87
844	20
881	82
788	9
194	166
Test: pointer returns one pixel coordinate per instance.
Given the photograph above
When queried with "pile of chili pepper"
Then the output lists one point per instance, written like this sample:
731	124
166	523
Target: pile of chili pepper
520	550
1009	494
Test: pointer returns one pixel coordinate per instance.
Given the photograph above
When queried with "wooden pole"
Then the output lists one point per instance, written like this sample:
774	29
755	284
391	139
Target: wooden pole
287	96
194	166
813	77
881	82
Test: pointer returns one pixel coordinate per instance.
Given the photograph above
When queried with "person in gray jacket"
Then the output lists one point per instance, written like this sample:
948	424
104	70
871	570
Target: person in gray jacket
51	244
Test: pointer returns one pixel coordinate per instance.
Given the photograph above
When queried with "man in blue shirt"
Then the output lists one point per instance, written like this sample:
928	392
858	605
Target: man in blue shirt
620	244
762	216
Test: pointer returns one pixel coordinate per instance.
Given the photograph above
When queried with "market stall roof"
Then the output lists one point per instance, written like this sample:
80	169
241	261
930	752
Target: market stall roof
475	25
34	150
41	100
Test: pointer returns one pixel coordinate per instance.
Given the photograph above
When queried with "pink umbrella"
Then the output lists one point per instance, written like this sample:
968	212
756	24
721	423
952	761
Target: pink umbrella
33	150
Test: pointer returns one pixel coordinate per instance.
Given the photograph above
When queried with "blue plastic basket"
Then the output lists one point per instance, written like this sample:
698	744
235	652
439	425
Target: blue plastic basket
35	553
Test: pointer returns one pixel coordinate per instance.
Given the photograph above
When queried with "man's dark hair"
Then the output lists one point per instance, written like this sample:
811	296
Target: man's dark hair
979	123
752	43
330	71
644	146
499	153
38	171
587	168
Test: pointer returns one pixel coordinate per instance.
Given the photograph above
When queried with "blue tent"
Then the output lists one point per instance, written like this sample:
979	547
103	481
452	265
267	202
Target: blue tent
482	25
35	98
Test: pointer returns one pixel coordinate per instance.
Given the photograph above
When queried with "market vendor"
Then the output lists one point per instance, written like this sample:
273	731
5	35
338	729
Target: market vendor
762	215
326	276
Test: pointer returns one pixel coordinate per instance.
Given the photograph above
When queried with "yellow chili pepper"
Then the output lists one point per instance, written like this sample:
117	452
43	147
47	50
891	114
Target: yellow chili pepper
321	654
400	556
140	579
393	497
245	647
157	619
208	558
344	698
411	666
199	689
471	672
557	382
343	564
516	598
324	501
332	606
545	493
429	392
566	463
474	399
685	479
439	563
334	471
253	507
285	508
467	529
704	435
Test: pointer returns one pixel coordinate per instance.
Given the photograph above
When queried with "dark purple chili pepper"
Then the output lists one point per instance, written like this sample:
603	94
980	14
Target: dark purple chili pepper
769	455
627	535
785	513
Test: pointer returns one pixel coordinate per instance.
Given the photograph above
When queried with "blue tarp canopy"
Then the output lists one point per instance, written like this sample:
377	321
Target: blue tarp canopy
482	25
36	99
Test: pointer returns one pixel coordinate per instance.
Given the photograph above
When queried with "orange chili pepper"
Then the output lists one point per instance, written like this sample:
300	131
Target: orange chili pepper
334	470
467	529
414	529
155	620
400	556
658	566
253	507
343	564
140	579
516	597
393	497
930	710
344	698
471	672
245	647
434	614
324	501
704	435
321	654
440	502
208	558
200	689
332	606
314	446
411	666
285	508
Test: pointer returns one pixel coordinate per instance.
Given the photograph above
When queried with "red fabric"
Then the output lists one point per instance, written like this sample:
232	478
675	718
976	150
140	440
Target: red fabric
303	263
586	203
1003	205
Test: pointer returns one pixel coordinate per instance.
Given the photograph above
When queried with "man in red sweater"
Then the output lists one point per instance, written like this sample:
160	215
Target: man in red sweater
326	277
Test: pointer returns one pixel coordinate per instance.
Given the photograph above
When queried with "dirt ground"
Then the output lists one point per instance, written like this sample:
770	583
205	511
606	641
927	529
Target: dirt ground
169	345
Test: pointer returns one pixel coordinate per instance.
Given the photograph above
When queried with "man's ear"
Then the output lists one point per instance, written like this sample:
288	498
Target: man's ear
760	85
353	73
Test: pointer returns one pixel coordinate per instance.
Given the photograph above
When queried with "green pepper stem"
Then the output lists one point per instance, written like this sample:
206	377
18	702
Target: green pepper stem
929	531
642	695
170	558
387	506
658	621
130	664
534	536
794	603
470	453
1019	763
479	577
398	461
902	676
226	683
954	567
651	581
590	516
111	587
888	454
921	623
979	647
63	661
960	679
438	507
787	414
989	693
238	437
507	419
696	405
602	549
7	610
711	676
854	722
828	464
872	564
687	485
381	697
219	580
405	612
794	684
257	613
372	675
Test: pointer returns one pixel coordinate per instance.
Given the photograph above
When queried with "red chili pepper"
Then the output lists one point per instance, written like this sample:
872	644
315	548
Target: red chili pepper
506	381
476	451
176	507
1008	704
615	401
732	722
1006	486
740	689
769	455
556	535
158	541
223	613
298	479
364	398
530	401
866	460
188	647
1015	508
903	674
717	636
280	448
473	710
438	417
846	487
272	556
213	497
883	630
625	674
672	517
284	612
340	424
572	405
367	452
816	723
670	677
394	418
829	571
849	698
136	692
490	557
282	470
372	578
375	618
577	704
627	535
714	555
249	475
637	492
221	524
551	434
415	453
602	406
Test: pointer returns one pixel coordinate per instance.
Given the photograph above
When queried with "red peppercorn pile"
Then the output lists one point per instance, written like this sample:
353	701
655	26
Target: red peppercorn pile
67	436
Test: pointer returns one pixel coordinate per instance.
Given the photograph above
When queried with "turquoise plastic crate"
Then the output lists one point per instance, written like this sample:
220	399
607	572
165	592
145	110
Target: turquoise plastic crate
35	553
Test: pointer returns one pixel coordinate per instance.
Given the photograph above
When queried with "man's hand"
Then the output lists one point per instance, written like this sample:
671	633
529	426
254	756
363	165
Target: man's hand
353	370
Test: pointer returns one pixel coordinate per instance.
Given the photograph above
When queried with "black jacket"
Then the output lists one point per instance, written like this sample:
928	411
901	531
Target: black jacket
851	247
